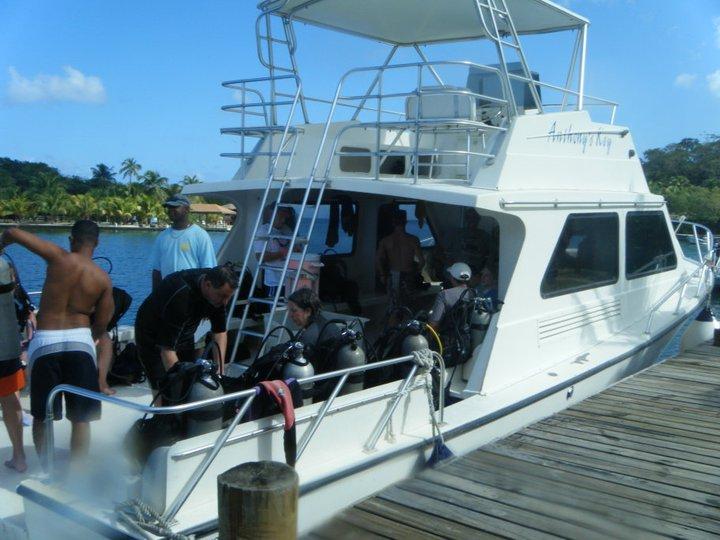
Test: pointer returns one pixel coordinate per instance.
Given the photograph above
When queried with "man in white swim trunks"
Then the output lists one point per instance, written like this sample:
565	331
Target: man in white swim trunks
76	307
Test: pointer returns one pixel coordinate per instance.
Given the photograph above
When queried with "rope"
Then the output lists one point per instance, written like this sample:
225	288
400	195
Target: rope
141	517
426	359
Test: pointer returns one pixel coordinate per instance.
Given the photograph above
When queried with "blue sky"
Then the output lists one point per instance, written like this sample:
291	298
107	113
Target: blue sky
83	82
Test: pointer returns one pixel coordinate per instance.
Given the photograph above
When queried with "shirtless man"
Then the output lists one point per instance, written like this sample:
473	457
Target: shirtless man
75	309
399	259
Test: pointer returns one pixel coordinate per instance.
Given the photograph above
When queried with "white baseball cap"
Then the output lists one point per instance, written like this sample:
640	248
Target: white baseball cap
460	271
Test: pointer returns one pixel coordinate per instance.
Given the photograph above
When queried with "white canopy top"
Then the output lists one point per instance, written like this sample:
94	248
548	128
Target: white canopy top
408	22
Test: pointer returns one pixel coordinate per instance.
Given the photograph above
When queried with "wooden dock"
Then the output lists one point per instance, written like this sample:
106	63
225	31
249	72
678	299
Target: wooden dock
639	460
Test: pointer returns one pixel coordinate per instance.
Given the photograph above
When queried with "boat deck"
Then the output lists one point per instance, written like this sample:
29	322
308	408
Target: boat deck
638	460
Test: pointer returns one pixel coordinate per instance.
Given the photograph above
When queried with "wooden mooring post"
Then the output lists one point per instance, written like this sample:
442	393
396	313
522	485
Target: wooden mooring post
258	500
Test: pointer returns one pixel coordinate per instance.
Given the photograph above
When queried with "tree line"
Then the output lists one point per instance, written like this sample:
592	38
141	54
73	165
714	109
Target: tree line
687	174
37	191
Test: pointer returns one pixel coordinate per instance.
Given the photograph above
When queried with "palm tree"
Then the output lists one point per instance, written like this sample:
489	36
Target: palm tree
101	174
20	207
83	206
130	169
190	179
154	181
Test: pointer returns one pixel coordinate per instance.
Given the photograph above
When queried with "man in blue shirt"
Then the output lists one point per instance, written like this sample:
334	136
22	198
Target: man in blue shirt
182	246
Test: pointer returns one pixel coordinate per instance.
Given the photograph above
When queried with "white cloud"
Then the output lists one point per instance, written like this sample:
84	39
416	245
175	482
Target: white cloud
685	80
716	23
72	86
713	81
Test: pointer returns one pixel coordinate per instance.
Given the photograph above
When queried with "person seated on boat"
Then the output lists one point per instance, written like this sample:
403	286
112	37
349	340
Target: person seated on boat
398	262
305	312
277	248
166	321
487	288
446	299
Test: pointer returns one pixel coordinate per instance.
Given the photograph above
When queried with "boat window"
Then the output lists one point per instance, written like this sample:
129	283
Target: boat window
586	255
648	247
359	164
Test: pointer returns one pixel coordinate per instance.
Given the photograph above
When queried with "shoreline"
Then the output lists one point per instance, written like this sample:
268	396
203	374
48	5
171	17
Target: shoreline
103	225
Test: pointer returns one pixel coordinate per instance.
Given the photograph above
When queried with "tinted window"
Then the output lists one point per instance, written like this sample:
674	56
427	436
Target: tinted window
586	256
355	163
648	247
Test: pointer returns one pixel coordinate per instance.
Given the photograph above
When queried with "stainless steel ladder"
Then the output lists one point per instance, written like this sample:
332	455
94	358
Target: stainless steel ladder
278	183
501	25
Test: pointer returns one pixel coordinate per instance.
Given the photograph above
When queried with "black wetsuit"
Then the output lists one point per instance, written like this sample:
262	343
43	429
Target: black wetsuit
169	318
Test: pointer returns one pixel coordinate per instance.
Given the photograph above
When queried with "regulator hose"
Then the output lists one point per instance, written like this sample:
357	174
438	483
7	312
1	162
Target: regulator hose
436	336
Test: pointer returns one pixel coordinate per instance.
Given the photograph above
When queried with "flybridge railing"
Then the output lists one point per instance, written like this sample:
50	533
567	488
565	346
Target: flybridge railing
419	135
268	129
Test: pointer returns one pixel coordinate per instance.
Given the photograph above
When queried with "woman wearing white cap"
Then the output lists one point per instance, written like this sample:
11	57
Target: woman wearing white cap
460	275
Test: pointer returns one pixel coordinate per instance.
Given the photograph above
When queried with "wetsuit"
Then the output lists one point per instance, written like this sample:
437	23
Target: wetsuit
169	317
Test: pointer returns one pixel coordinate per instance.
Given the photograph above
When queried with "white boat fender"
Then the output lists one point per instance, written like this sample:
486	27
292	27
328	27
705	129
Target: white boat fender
701	330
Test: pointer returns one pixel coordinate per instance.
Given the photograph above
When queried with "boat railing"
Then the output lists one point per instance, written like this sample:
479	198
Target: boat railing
700	236
259	122
425	136
246	397
566	104
681	286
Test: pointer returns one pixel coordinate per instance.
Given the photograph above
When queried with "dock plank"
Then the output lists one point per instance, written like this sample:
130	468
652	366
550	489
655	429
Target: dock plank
639	460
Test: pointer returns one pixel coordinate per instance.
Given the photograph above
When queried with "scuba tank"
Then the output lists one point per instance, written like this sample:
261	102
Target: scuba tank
298	367
413	340
348	355
9	336
479	322
205	386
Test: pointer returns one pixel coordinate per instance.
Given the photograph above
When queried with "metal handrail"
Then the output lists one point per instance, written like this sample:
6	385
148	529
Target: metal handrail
249	395
675	288
379	96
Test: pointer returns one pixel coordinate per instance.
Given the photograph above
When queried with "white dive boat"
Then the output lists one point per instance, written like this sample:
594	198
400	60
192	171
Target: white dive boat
502	170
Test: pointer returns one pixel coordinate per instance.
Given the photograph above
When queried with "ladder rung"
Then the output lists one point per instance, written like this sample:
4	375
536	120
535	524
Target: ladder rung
268	266
513	45
267	301
274	40
299	240
254	154
252	333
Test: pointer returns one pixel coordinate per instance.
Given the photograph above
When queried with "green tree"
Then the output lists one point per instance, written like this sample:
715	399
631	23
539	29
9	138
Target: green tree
153	181
190	179
130	169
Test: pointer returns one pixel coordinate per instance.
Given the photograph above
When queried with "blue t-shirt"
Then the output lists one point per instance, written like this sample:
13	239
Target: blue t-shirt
182	250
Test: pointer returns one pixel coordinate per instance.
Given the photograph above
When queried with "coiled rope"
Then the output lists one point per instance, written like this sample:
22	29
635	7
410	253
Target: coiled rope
143	519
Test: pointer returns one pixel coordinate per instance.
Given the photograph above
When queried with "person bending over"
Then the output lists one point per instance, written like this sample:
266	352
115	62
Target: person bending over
71	339
166	321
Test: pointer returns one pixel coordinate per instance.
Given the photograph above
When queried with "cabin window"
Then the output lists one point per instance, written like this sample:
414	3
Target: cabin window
356	164
648	246
392	165
586	255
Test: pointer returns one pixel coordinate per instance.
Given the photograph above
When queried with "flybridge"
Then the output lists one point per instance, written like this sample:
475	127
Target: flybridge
434	120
